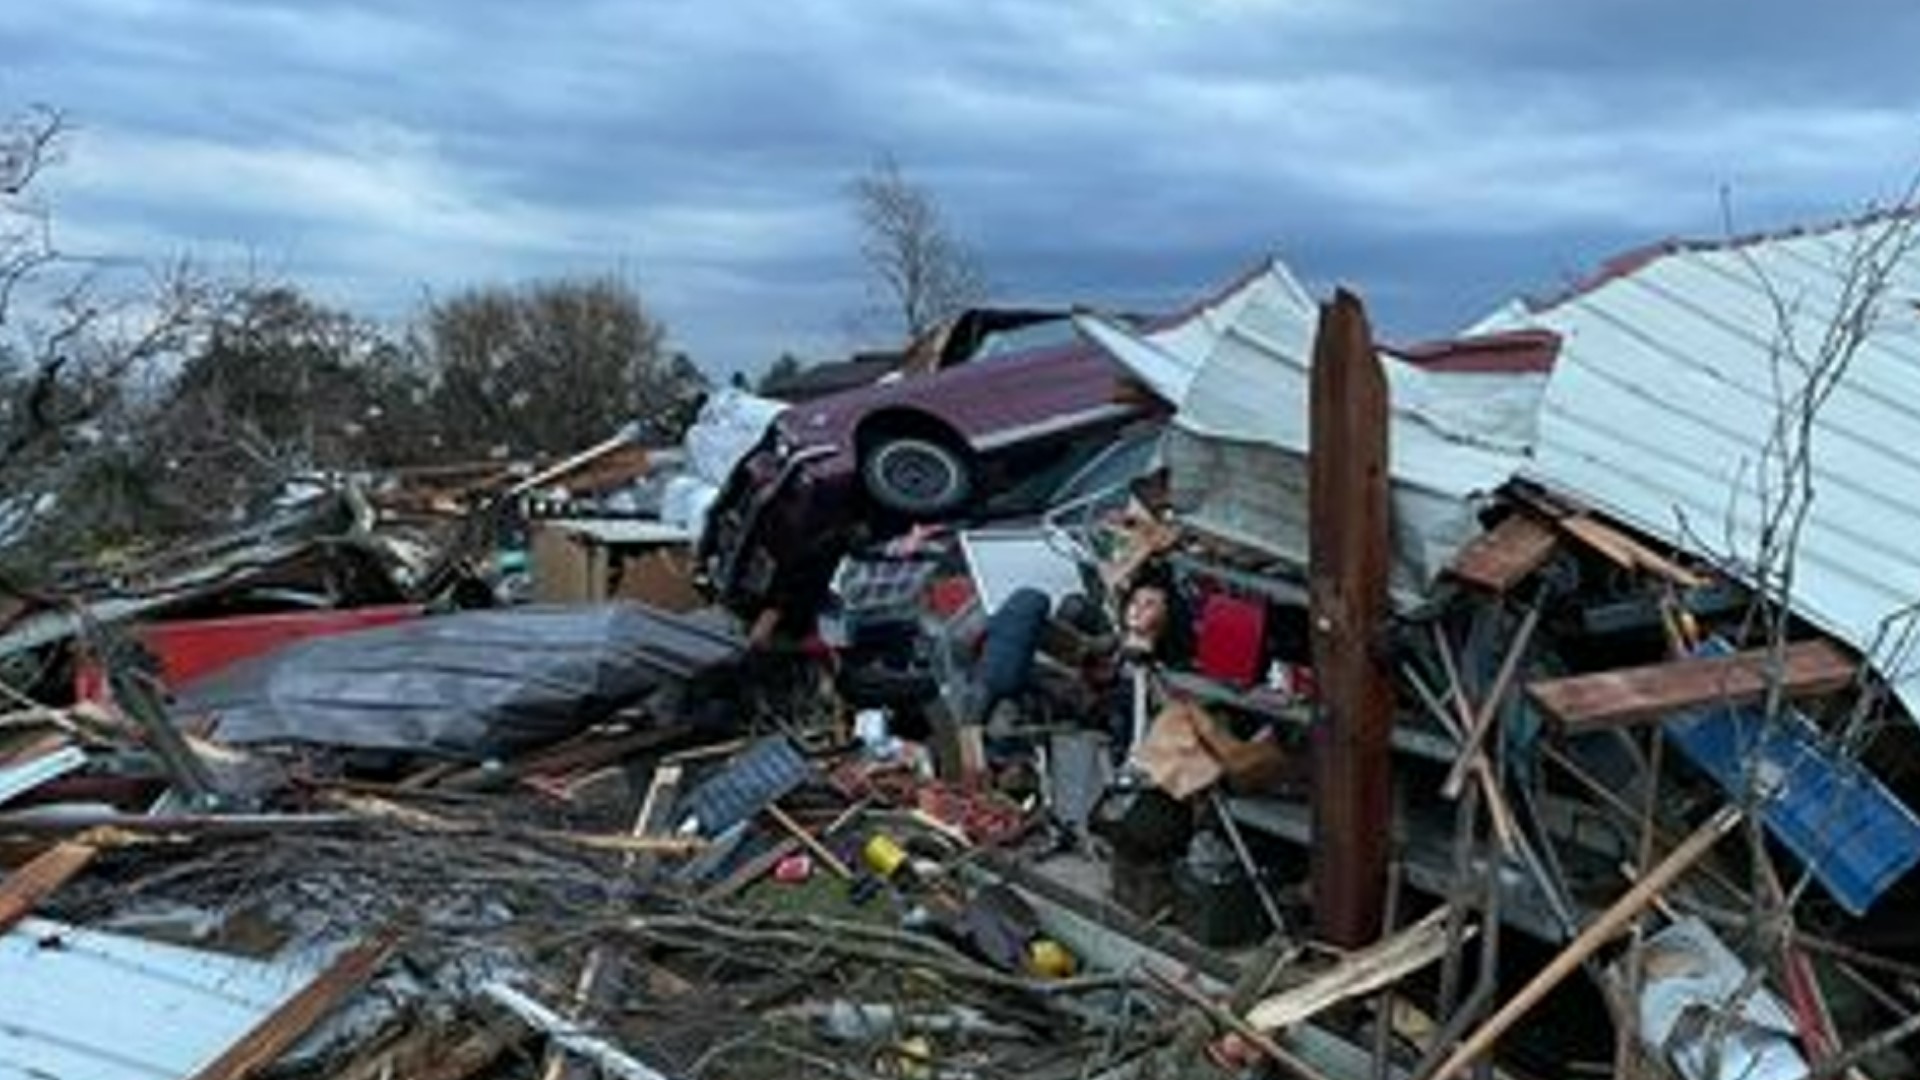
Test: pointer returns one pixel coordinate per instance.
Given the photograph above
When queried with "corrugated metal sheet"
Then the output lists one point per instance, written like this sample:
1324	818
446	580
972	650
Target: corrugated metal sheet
1663	401
82	1005
1238	369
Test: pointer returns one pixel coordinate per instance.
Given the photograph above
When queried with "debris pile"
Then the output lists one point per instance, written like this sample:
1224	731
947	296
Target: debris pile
1258	700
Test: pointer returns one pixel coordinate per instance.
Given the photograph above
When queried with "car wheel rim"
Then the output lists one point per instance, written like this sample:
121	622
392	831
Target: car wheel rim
917	476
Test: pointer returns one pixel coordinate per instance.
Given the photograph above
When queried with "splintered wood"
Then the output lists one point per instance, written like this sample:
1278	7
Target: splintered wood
1383	963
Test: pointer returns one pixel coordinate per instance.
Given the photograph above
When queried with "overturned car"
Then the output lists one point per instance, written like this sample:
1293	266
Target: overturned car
987	422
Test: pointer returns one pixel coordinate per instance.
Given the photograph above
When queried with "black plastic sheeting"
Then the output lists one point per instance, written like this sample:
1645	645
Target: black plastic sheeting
474	685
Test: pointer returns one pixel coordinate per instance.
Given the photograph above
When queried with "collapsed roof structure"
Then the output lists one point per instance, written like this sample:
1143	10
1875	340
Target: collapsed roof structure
1710	393
1058	793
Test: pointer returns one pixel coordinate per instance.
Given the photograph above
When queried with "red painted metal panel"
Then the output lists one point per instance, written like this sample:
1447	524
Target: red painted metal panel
193	648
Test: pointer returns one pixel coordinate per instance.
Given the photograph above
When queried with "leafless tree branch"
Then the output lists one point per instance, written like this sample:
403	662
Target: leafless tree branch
926	272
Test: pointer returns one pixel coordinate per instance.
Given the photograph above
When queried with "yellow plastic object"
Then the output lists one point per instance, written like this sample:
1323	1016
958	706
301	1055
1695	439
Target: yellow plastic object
914	1056
883	855
1049	959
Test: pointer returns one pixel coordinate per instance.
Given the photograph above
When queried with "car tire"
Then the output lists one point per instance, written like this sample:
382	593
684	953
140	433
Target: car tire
917	476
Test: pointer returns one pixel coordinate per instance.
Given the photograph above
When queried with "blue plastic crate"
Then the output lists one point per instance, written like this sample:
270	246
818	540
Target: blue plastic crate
1831	812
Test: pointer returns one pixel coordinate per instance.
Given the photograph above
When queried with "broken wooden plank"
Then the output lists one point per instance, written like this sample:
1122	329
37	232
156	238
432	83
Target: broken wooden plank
23	889
1506	554
1383	963
373	807
819	850
1602	930
1583	703
286	1025
622	844
603	972
85	819
1627	552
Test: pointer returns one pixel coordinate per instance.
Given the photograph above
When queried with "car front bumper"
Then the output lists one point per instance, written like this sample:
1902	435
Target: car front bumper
780	513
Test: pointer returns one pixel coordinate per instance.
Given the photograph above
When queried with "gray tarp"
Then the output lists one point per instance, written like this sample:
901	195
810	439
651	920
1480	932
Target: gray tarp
474	684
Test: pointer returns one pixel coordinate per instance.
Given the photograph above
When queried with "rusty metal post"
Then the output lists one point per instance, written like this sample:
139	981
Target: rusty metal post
1348	566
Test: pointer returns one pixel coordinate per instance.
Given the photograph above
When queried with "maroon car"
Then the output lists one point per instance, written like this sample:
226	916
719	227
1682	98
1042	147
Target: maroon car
1009	403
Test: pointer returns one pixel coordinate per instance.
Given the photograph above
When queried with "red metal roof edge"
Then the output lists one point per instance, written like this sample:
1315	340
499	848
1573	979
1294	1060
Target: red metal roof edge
1636	259
1511	352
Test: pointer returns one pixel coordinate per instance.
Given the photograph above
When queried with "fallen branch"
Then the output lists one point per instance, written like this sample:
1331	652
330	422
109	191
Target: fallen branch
873	943
1846	1060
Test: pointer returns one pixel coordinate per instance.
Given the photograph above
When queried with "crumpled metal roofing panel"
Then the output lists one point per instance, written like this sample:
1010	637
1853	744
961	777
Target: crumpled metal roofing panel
1663	401
78	1004
1239	367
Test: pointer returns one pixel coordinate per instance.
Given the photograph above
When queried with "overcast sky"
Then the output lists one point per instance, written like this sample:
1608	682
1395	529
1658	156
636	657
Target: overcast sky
1439	157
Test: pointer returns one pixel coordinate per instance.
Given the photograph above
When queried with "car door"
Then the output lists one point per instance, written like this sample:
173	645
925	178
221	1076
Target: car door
1031	386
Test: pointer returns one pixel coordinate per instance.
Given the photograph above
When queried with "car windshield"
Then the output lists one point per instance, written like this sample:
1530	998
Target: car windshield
1125	458
1024	339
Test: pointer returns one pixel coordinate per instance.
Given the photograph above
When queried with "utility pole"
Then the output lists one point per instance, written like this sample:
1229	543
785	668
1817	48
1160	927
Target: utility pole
1348	562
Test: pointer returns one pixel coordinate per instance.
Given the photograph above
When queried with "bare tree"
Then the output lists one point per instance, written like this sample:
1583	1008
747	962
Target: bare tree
926	273
76	343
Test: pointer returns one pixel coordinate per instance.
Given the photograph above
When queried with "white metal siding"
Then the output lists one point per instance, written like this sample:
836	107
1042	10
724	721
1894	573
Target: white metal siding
1664	397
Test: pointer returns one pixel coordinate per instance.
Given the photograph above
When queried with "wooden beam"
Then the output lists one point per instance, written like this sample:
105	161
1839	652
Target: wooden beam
1604	699
286	1025
1602	930
1349	553
1627	552
1506	554
23	889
